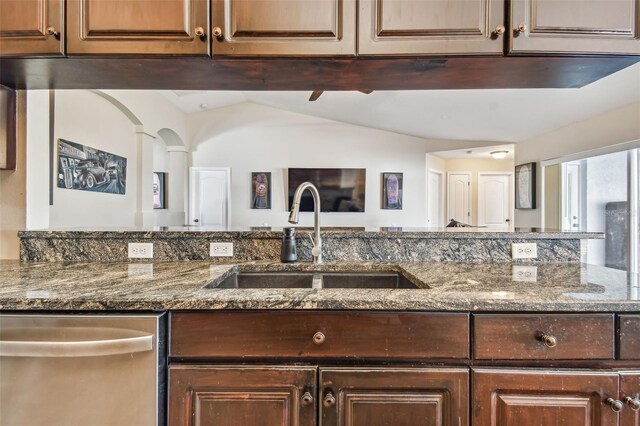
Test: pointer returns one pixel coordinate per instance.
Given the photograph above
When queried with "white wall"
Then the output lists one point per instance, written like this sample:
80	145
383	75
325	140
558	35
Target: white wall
613	127
251	138
88	119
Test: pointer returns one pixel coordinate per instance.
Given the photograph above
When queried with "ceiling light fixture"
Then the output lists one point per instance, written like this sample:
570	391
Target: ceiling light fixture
499	155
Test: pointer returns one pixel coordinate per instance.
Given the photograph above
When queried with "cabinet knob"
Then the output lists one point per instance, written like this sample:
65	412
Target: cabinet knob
307	398
521	28
52	32
319	338
329	400
634	403
217	33
500	29
549	340
615	405
200	32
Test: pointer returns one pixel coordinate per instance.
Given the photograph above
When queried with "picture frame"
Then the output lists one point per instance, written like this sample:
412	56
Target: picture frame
525	180
159	190
261	190
392	183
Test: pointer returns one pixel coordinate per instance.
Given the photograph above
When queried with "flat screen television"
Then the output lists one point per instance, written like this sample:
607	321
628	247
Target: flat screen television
341	190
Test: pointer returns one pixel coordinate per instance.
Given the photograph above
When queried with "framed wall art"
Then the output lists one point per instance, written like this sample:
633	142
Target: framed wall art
159	190
261	190
392	191
526	186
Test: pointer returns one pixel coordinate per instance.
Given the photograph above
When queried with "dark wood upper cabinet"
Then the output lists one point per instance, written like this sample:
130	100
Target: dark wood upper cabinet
232	396
630	396
575	27
134	27
284	27
31	27
434	27
543	397
398	397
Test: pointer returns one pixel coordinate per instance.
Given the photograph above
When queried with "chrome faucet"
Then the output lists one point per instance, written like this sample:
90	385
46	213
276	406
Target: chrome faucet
316	251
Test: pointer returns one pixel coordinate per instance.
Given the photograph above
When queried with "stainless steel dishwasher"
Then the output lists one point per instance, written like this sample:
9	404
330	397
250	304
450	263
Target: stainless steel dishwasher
82	369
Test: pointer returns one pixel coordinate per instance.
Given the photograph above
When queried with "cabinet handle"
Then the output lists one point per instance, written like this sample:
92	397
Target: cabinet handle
329	400
521	28
200	32
307	398
634	403
52	32
319	338
549	340
500	29
217	33
615	405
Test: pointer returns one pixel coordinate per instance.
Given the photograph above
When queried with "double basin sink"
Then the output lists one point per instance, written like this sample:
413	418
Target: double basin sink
316	280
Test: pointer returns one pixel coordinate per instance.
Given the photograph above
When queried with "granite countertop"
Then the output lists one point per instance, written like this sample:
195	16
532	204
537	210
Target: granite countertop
195	232
443	286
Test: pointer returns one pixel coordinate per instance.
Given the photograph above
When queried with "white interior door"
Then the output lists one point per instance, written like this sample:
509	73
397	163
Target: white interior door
494	200
459	197
435	199
210	196
572	195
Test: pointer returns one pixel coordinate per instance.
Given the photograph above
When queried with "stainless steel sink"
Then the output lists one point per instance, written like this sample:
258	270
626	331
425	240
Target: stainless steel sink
390	280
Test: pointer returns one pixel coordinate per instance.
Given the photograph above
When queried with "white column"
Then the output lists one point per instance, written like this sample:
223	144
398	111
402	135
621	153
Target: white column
144	186
178	183
37	159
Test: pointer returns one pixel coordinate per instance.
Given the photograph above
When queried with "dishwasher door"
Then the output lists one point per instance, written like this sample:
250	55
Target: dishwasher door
75	370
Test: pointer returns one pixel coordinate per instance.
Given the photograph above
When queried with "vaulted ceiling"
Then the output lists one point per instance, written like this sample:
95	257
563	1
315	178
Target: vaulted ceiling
504	115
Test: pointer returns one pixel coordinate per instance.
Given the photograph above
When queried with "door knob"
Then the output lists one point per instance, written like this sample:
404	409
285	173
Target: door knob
329	400
200	33
52	32
196	220
500	29
307	398
521	28
319	338
634	403
549	340
217	33
614	404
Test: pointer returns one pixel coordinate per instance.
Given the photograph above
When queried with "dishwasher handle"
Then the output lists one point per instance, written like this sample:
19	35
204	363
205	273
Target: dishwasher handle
53	349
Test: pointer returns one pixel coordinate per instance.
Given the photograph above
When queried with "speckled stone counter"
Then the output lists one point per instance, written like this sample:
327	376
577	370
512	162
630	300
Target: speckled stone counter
443	286
263	244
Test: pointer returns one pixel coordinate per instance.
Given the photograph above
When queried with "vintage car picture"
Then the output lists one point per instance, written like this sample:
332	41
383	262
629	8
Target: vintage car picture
89	169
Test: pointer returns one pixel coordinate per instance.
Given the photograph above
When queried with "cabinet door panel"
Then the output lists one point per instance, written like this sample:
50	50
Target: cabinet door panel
629	387
629	336
576	26
24	24
237	395
285	27
543	398
163	27
430	27
398	397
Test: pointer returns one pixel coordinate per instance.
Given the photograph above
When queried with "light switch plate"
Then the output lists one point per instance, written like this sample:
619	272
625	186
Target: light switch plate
524	250
524	273
140	250
221	249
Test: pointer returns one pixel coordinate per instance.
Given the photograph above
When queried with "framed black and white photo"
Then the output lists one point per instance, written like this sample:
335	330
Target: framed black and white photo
392	191
159	190
261	190
526	186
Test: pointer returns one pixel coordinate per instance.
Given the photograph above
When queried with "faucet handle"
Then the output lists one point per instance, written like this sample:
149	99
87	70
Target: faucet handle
315	250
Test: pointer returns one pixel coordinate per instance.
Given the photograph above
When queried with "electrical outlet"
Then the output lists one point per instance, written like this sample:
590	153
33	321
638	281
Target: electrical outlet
221	249
524	273
140	250
524	250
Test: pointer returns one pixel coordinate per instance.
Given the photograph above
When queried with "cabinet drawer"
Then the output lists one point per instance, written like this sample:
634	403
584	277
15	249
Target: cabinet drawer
295	334
629	336
544	337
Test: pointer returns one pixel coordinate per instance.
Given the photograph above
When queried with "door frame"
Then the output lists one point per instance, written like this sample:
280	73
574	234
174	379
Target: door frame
443	198
448	209
192	172
512	200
